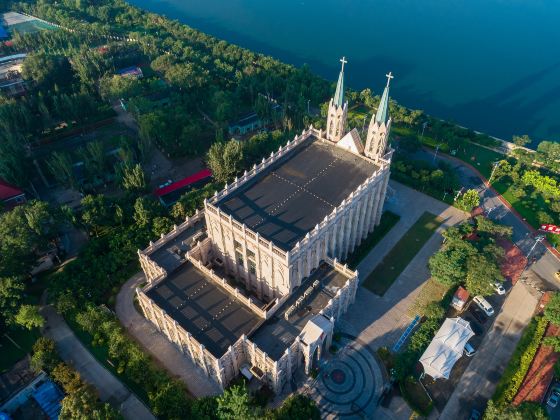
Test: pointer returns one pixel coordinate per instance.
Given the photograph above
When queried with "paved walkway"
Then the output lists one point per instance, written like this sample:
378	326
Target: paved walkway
481	376
386	317
73	352
165	352
350	382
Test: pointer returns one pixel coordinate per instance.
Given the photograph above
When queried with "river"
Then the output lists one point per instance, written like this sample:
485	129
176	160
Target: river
491	65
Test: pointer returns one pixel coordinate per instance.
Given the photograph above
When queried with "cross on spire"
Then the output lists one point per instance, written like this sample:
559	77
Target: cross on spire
343	61
389	77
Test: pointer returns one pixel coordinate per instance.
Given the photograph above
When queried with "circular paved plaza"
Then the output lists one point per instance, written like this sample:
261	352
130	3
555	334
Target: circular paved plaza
349	382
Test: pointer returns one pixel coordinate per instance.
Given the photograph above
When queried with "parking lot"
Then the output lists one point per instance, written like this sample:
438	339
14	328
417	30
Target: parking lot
441	389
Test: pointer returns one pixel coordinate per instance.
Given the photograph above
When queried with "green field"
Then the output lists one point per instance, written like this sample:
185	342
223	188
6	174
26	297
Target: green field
402	253
388	220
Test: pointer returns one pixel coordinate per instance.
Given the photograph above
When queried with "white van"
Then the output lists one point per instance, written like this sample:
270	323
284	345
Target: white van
484	305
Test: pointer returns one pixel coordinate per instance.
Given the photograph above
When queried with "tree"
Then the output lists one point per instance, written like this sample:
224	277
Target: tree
234	404
83	404
204	408
225	160
61	168
481	275
117	87
468	201
486	225
169	401
521	140
525	411
39	67
44	355
552	341
11	295
144	211
67	377
549	153
96	213
298	407
447	266
552	309
29	317
161	225
133	178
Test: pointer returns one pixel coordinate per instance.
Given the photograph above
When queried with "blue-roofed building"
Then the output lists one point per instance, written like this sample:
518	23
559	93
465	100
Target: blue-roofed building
49	396
4	33
132	71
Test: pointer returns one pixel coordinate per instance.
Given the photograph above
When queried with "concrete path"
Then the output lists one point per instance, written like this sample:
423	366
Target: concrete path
73	352
379	321
481	376
163	350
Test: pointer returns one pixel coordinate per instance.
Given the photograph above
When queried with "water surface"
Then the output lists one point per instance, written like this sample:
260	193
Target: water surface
491	65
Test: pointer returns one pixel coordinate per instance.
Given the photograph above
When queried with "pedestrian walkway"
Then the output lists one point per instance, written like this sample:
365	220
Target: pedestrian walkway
163	350
73	352
387	316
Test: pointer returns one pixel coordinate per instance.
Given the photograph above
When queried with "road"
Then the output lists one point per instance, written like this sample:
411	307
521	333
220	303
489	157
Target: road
73	352
481	376
547	263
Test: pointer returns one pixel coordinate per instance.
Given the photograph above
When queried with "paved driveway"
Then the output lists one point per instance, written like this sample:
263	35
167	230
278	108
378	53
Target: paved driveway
73	352
480	378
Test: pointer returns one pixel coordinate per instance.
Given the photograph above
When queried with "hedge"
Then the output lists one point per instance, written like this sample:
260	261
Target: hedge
520	361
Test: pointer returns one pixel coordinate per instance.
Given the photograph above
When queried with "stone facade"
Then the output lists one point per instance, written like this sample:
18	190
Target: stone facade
264	279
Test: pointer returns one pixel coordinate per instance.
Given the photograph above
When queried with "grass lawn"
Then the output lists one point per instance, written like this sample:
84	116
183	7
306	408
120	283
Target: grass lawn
416	397
432	291
388	220
10	353
402	253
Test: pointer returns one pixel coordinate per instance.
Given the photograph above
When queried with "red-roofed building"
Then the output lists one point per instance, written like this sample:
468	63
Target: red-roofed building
170	193
11	195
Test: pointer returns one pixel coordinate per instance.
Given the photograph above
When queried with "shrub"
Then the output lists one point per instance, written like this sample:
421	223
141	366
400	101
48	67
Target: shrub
520	361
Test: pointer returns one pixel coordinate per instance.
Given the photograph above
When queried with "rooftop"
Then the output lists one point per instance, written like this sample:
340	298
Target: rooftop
294	194
172	254
214	317
276	334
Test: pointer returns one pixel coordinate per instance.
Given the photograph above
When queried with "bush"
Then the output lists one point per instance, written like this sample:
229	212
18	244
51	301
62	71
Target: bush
520	361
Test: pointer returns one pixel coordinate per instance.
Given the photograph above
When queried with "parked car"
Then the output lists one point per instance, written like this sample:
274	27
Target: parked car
557	275
554	398
469	350
475	326
478	314
499	288
484	305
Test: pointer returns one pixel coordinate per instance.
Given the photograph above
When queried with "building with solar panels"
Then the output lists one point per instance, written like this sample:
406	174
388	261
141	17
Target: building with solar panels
252	285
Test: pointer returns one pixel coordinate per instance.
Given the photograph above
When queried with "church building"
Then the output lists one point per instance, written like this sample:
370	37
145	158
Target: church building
253	284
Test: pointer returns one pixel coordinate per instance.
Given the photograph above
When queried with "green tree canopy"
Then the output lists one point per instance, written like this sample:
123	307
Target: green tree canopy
552	309
481	275
225	160
28	316
234	404
468	201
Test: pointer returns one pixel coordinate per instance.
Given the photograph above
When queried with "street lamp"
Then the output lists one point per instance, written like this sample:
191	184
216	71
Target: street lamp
496	164
538	239
435	154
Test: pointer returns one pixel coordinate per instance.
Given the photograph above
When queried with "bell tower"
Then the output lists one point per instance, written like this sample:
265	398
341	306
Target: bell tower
379	126
338	110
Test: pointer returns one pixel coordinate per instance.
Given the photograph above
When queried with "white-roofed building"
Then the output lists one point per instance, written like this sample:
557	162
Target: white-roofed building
446	348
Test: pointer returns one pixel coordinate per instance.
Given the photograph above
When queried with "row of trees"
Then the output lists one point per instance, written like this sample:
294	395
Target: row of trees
81	400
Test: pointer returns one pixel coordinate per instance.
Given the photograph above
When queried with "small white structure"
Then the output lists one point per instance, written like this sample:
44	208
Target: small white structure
446	348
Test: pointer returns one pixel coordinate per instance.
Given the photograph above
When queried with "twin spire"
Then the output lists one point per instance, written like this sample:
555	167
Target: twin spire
382	114
378	130
339	93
